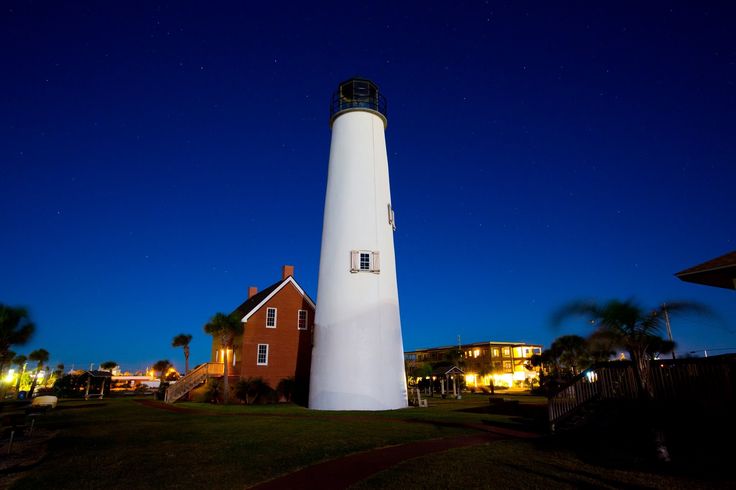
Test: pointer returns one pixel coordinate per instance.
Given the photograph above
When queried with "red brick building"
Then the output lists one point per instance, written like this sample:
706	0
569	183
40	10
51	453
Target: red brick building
278	324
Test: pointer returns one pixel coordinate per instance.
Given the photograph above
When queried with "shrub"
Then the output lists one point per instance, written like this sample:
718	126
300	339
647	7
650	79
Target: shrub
285	389
251	390
214	391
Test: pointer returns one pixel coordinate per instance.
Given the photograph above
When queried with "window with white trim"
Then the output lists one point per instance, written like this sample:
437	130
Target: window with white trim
301	320
271	317
365	261
262	359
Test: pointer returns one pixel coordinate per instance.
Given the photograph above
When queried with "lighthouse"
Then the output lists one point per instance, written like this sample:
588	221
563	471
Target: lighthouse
358	355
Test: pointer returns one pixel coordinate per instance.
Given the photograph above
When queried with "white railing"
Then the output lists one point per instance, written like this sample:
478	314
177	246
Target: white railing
193	379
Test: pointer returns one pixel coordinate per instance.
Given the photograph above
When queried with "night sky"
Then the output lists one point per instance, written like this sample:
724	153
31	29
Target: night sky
158	159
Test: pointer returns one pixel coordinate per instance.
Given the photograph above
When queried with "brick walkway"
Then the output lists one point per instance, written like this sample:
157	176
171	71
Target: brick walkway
343	472
347	470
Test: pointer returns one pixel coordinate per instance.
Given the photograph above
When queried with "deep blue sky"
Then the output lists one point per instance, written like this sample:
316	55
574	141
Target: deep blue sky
157	159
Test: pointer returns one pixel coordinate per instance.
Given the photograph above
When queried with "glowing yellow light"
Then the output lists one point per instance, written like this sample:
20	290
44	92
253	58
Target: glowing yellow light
10	376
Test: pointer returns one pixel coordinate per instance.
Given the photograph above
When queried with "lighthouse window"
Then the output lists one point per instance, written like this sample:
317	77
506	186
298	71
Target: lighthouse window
365	261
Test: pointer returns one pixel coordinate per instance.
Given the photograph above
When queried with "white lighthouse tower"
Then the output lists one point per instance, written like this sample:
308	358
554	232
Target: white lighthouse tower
358	355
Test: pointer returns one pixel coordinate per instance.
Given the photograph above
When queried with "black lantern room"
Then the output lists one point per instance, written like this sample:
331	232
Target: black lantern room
358	94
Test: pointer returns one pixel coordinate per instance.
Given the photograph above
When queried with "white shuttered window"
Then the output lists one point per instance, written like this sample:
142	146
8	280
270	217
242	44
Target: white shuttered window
365	261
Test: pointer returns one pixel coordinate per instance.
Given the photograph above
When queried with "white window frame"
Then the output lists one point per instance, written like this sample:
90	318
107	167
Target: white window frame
306	320
265	355
275	317
374	261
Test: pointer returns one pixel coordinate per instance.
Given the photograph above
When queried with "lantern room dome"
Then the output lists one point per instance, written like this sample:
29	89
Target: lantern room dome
358	94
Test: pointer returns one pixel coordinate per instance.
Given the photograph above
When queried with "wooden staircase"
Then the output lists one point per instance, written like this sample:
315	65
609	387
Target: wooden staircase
193	379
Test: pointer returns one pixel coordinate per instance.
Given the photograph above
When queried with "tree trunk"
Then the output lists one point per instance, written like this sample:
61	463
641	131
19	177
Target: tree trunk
186	359
642	368
226	374
33	385
17	383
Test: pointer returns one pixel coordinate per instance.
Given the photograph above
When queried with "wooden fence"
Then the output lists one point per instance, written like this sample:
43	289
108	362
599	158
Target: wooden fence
671	380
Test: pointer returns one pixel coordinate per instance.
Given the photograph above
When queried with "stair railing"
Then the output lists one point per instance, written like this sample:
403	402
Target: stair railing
193	379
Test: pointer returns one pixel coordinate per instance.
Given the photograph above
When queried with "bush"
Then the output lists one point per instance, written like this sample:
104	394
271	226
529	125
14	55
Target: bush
214	391
252	390
161	392
285	389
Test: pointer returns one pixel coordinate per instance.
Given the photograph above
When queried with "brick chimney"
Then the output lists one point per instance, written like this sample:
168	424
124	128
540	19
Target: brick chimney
252	291
286	271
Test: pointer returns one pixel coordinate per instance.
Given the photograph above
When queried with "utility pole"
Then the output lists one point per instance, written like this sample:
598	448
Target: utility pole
669	328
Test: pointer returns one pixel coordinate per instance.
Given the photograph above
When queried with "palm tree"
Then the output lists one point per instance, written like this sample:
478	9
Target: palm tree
6	358
627	325
107	366
571	352
58	373
224	328
41	356
162	368
182	340
16	328
638	331
20	361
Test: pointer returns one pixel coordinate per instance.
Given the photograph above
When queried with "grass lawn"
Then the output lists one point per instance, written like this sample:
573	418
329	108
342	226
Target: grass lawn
521	464
119	443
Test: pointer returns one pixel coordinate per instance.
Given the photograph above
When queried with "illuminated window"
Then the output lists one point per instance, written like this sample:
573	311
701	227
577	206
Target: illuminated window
271	318
365	261
507	365
476	352
262	359
302	320
495	352
506	351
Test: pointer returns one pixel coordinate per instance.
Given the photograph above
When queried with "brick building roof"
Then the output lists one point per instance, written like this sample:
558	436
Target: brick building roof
252	304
